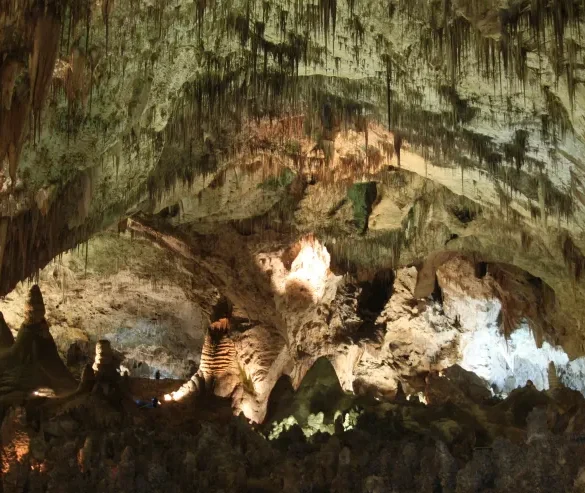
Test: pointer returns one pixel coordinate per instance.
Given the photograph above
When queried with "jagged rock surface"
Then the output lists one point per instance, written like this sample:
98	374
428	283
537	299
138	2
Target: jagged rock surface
390	447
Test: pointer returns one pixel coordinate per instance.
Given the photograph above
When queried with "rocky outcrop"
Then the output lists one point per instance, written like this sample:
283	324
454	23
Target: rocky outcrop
343	445
106	363
319	398
34	308
105	368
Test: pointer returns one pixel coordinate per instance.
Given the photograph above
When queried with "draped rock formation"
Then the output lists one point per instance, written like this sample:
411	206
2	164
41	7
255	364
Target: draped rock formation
218	366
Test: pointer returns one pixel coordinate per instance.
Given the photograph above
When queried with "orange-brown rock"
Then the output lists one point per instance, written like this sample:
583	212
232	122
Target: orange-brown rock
218	365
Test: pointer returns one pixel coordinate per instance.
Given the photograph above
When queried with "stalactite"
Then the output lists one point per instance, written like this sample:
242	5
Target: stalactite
13	125
9	71
328	17
574	258
3	239
42	61
397	146
107	7
388	63
86	258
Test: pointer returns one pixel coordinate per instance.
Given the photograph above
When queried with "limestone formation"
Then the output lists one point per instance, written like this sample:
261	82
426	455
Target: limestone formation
87	379
34	310
218	365
553	379
6	337
106	364
33	362
386	199
14	452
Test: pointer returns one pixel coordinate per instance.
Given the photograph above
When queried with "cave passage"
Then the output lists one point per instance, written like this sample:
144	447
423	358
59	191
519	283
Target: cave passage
274	246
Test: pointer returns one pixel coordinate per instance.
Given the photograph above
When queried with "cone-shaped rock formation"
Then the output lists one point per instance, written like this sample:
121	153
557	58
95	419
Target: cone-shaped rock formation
33	361
6	337
34	309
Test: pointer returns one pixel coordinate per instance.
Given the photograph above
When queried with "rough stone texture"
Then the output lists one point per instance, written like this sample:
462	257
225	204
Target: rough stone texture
129	292
198	445
322	167
147	96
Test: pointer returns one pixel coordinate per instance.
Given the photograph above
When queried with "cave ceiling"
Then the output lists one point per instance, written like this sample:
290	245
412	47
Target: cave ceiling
396	131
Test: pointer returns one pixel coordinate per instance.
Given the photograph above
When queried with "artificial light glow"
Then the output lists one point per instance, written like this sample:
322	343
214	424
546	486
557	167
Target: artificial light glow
310	268
183	391
421	398
44	392
247	410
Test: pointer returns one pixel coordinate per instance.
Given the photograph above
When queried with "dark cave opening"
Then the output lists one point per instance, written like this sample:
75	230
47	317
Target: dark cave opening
437	294
375	294
464	214
481	269
170	211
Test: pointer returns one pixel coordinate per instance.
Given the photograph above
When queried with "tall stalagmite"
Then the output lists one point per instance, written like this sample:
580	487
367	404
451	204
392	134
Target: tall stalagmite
6	337
218	365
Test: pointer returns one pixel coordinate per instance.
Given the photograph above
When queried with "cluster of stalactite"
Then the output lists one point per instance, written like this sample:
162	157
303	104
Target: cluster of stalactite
50	225
262	79
42	34
267	79
214	107
268	82
498	38
573	256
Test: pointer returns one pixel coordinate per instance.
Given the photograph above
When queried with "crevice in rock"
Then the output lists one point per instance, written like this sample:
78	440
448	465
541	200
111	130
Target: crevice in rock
375	294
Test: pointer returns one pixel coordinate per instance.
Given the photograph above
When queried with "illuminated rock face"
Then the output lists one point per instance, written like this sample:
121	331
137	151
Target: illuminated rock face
218	366
106	363
309	271
14	450
305	150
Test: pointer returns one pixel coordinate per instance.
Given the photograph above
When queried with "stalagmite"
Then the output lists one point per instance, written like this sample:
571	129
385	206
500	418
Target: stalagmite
34	356
218	355
106	363
6	337
218	370
34	309
553	379
87	379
